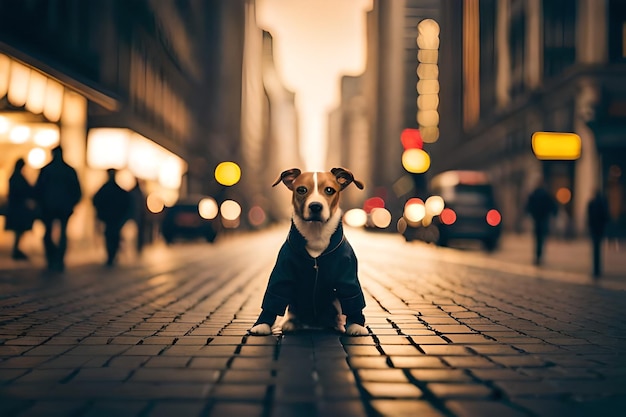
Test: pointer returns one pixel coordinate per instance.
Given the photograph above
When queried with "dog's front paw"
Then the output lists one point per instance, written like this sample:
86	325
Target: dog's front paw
356	330
261	329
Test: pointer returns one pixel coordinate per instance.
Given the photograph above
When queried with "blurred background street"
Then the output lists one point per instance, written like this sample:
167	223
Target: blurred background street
139	141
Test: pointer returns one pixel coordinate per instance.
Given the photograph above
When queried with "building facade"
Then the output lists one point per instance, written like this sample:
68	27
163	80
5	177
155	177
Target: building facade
150	88
528	66
377	106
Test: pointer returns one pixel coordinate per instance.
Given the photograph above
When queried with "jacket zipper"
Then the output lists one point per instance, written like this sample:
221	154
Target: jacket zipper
316	267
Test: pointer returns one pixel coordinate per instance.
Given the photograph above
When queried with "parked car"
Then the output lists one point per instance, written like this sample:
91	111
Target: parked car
183	221
470	210
461	207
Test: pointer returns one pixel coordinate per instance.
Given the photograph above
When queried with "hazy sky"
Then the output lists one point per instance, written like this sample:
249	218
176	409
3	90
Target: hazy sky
315	43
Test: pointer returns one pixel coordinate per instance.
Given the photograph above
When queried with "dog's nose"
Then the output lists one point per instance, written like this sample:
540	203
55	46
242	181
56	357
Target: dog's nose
315	207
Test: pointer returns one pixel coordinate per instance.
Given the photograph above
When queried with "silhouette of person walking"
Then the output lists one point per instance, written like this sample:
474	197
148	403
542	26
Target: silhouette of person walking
21	208
597	218
113	207
58	191
540	206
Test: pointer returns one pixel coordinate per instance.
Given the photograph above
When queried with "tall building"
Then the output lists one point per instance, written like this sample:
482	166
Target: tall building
370	121
524	66
151	88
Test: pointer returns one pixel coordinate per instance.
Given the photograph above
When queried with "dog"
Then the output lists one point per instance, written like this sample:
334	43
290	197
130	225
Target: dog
315	276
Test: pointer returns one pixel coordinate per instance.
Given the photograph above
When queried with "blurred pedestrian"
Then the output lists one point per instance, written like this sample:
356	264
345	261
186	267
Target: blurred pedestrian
21	207
58	191
597	218
138	214
541	206
113	208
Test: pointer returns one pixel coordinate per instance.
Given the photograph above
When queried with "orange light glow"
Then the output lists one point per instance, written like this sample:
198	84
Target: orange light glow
563	195
154	203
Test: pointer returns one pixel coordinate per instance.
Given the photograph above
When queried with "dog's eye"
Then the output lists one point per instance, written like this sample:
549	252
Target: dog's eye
329	191
301	190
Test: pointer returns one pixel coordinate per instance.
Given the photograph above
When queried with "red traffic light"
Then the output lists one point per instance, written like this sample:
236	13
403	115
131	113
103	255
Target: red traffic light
411	139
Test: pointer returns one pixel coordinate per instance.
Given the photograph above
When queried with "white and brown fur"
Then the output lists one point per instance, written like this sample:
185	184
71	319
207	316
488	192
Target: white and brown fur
316	215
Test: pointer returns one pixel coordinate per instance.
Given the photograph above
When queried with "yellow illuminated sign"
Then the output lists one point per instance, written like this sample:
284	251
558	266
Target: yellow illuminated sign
556	145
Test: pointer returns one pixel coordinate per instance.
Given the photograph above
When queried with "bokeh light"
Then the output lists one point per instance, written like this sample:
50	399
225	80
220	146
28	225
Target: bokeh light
493	217
208	209
36	158
155	203
230	209
563	195
257	216
414	210
415	161
411	138
355	217
372	203
434	205
227	173
19	134
380	217
447	216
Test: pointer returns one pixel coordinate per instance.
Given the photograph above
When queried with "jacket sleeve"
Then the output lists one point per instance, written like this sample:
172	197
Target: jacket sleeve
280	286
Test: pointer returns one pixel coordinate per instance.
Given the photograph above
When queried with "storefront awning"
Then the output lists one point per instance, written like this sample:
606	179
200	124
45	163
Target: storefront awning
68	80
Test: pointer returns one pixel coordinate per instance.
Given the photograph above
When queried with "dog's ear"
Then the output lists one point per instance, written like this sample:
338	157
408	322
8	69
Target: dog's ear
345	177
287	177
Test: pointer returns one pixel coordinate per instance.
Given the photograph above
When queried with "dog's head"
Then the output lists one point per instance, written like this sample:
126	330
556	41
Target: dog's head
316	194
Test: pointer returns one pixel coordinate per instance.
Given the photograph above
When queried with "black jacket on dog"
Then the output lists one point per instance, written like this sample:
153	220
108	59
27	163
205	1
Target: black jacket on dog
309	285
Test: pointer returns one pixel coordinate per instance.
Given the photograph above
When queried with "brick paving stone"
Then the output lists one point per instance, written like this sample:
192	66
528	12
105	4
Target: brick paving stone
202	362
368	362
232	376
238	409
445	350
54	408
392	390
175	375
421	361
382	375
485	409
45	375
448	339
449	390
440	375
406	408
401	350
469	362
239	392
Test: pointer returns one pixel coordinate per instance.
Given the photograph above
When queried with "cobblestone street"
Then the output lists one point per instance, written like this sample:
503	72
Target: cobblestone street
451	335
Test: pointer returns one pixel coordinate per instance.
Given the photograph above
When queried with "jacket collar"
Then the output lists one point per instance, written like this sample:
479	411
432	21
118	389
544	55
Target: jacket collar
298	242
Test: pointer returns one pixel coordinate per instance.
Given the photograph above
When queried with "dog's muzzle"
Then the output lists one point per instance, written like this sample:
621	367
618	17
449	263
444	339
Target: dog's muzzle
315	212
